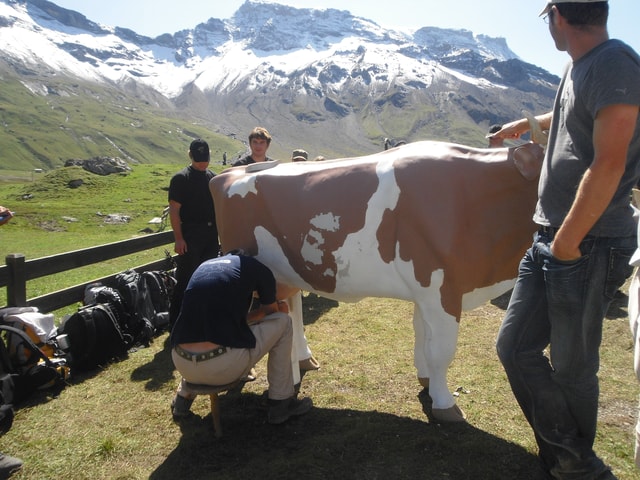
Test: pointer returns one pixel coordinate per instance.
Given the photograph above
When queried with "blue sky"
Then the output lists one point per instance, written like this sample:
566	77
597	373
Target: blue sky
515	20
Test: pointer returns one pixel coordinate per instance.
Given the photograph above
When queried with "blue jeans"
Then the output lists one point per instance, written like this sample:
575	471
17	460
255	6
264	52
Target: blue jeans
562	305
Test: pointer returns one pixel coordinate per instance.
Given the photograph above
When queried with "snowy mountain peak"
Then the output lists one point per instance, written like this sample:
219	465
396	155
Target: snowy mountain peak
44	33
304	65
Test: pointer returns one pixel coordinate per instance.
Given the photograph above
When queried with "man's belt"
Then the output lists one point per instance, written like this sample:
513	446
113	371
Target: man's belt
201	356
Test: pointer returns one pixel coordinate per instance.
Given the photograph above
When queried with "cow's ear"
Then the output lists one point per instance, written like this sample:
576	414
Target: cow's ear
528	160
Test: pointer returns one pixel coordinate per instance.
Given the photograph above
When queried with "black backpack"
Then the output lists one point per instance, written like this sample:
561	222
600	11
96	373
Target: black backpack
161	285
132	287
7	389
95	337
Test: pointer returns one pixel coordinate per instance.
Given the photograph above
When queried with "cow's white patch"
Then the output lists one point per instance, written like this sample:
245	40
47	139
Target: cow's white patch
312	247
360	273
481	295
243	186
326	221
270	253
314	239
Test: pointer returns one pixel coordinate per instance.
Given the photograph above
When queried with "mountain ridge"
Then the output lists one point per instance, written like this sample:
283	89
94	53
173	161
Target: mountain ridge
344	77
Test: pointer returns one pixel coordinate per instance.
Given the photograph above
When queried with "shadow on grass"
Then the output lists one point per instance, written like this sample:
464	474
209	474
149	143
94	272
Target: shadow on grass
502	302
349	444
158	371
315	306
617	309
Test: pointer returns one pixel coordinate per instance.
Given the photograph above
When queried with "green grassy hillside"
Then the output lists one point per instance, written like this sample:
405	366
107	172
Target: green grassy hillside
44	125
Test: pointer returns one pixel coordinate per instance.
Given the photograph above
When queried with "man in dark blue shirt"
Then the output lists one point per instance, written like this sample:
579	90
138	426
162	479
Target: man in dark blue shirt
216	340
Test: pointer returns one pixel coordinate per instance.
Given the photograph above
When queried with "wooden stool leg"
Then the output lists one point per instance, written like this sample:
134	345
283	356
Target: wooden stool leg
215	415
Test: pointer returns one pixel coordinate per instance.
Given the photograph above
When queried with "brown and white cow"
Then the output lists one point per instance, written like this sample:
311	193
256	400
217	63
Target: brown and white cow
439	224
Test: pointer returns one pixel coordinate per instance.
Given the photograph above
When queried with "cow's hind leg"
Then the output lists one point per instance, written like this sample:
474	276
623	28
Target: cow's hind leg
436	335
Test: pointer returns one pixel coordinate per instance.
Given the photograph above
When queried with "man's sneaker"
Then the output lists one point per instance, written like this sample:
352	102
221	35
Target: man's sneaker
282	410
9	465
180	407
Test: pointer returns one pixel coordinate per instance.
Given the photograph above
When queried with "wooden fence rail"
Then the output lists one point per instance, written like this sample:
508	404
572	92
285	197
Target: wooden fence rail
18	271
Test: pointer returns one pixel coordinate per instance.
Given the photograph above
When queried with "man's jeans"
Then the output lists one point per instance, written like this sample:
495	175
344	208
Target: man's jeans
562	305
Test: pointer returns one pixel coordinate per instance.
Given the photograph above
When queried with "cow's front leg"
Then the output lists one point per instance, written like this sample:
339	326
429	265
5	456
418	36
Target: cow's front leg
301	356
436	336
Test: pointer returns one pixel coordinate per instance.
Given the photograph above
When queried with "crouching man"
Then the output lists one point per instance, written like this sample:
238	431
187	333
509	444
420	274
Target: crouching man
215	341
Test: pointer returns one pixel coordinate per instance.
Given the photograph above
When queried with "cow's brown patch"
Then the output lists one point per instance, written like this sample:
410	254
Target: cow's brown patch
286	206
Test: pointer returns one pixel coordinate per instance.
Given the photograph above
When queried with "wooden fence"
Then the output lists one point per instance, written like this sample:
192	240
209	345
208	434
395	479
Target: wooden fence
18	271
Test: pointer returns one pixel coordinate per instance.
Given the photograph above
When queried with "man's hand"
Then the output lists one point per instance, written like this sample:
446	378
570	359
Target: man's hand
283	306
180	247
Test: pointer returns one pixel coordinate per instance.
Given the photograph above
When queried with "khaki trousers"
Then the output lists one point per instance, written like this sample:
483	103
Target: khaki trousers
273	336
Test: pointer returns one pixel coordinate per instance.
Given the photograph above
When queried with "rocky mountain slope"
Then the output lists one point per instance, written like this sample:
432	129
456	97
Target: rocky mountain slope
338	89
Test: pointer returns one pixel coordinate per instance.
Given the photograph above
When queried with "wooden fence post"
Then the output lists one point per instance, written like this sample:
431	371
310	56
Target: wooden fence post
17	282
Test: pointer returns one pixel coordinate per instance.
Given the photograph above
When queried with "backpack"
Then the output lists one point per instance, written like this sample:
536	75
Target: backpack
161	285
98	293
95	337
40	328
7	389
136	298
19	381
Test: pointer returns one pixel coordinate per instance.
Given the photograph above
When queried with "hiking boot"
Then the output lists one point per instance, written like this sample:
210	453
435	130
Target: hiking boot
9	465
282	410
180	407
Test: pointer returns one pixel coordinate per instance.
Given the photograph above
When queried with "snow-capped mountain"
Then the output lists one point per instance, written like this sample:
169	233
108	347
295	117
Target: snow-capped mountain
345	76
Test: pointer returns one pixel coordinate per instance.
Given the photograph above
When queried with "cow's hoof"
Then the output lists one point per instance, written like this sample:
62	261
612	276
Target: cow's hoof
309	364
452	414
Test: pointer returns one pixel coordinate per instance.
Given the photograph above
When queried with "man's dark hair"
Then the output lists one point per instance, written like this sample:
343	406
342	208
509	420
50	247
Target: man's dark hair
260	132
585	14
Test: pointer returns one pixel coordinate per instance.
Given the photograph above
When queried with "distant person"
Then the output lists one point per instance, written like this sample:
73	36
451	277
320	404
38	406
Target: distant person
5	215
299	155
193	220
259	141
389	143
224	158
8	465
495	142
216	340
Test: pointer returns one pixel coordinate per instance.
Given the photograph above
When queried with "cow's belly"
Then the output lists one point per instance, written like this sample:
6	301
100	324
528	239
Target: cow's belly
361	273
358	274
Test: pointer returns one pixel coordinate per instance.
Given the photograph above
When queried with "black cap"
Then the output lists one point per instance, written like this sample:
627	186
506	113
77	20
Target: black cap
199	150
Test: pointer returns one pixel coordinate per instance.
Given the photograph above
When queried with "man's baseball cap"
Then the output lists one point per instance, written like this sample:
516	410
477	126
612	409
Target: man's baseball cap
299	155
199	150
554	2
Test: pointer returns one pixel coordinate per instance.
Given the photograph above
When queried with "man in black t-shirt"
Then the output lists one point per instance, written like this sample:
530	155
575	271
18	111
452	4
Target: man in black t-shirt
193	220
259	141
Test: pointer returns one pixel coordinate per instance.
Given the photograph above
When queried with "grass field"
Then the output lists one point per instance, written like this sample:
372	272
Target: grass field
367	422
